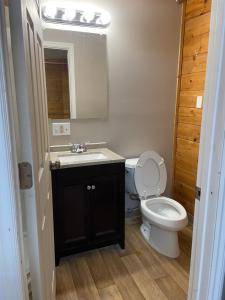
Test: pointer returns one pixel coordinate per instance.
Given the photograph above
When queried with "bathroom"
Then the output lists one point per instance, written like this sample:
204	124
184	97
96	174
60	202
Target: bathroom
128	91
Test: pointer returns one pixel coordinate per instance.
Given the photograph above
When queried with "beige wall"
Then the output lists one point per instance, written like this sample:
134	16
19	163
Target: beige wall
142	46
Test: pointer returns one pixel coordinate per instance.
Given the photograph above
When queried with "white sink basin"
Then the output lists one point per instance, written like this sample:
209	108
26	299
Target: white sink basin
80	157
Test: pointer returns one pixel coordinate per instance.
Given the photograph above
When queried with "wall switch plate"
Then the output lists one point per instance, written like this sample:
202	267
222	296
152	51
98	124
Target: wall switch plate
60	129
199	102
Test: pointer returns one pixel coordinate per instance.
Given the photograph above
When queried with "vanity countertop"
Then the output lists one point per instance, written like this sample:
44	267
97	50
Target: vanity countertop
91	157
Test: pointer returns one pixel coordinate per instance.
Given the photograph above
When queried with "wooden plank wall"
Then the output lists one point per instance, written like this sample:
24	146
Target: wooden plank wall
57	84
191	81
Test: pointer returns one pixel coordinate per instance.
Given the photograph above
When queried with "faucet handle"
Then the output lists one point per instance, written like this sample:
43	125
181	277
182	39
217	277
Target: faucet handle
83	146
74	147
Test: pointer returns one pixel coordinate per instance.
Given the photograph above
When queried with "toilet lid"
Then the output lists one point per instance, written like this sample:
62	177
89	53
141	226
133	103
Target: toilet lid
150	175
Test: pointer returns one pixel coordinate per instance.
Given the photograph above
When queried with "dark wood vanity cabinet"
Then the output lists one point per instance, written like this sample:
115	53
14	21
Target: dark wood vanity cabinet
88	205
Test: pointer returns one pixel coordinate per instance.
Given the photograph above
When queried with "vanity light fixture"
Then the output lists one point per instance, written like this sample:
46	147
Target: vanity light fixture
70	13
50	11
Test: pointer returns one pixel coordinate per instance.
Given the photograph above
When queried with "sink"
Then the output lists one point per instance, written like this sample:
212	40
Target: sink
81	157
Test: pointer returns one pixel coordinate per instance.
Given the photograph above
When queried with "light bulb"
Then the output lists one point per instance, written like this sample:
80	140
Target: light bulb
69	14
50	11
104	19
88	16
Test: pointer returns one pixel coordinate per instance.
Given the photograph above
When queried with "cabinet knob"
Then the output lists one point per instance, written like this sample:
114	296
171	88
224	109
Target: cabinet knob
93	187
88	187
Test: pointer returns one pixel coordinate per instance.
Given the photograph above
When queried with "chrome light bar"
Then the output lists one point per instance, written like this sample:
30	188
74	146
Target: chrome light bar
77	16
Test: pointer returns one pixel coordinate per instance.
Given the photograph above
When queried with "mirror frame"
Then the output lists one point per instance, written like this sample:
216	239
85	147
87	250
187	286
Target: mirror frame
71	65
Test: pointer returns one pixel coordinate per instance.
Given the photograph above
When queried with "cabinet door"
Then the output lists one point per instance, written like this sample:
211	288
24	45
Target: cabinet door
72	222
105	207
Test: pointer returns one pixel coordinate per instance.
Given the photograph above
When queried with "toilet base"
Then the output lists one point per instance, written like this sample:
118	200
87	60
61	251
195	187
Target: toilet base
163	241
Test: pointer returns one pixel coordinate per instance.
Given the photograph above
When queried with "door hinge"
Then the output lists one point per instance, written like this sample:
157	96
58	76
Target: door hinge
197	193
54	165
25	175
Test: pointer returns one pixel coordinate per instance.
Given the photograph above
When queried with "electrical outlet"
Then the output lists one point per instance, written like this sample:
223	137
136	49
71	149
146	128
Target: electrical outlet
60	129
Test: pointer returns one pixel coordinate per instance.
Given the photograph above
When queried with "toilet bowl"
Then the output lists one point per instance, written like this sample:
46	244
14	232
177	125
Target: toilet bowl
162	217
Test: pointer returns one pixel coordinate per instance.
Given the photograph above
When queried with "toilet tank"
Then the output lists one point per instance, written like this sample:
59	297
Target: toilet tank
130	165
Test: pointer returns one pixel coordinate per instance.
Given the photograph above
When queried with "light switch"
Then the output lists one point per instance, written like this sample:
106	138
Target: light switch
60	129
199	102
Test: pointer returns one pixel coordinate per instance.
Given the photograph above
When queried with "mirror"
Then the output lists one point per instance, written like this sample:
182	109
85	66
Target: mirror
76	74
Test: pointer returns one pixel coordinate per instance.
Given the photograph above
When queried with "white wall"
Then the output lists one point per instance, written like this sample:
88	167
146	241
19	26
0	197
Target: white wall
142	46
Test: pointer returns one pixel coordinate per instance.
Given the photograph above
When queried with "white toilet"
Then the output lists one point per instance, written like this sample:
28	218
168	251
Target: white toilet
162	217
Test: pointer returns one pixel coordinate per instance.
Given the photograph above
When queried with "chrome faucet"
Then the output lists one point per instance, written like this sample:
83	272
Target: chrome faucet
78	148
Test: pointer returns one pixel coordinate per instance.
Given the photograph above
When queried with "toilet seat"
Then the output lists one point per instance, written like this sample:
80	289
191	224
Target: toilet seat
165	212
150	175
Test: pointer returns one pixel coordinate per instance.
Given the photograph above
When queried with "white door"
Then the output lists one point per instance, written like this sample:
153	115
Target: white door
28	61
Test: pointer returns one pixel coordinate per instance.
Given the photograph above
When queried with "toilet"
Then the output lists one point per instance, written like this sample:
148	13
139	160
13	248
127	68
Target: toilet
162	217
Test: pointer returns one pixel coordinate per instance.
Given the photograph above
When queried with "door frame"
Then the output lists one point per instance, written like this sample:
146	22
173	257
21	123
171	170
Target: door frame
12	263
208	250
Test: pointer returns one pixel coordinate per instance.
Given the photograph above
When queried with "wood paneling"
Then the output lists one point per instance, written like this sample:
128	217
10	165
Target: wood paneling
194	64
190	115
197	26
191	84
185	195
196	8
185	176
57	83
139	273
188	132
188	98
196	45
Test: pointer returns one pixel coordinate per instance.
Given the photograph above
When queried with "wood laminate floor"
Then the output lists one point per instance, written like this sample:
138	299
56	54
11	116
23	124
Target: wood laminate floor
136	273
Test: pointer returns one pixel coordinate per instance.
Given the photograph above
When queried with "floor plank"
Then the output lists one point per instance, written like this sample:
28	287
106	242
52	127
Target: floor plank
184	261
185	239
121	276
152	265
172	267
110	293
170	288
176	272
136	273
145	283
83	281
100	274
65	289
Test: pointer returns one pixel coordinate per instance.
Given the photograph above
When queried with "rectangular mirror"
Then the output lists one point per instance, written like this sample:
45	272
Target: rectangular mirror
76	74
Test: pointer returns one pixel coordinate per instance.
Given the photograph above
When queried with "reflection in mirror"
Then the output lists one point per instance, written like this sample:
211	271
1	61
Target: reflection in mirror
76	71
57	81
